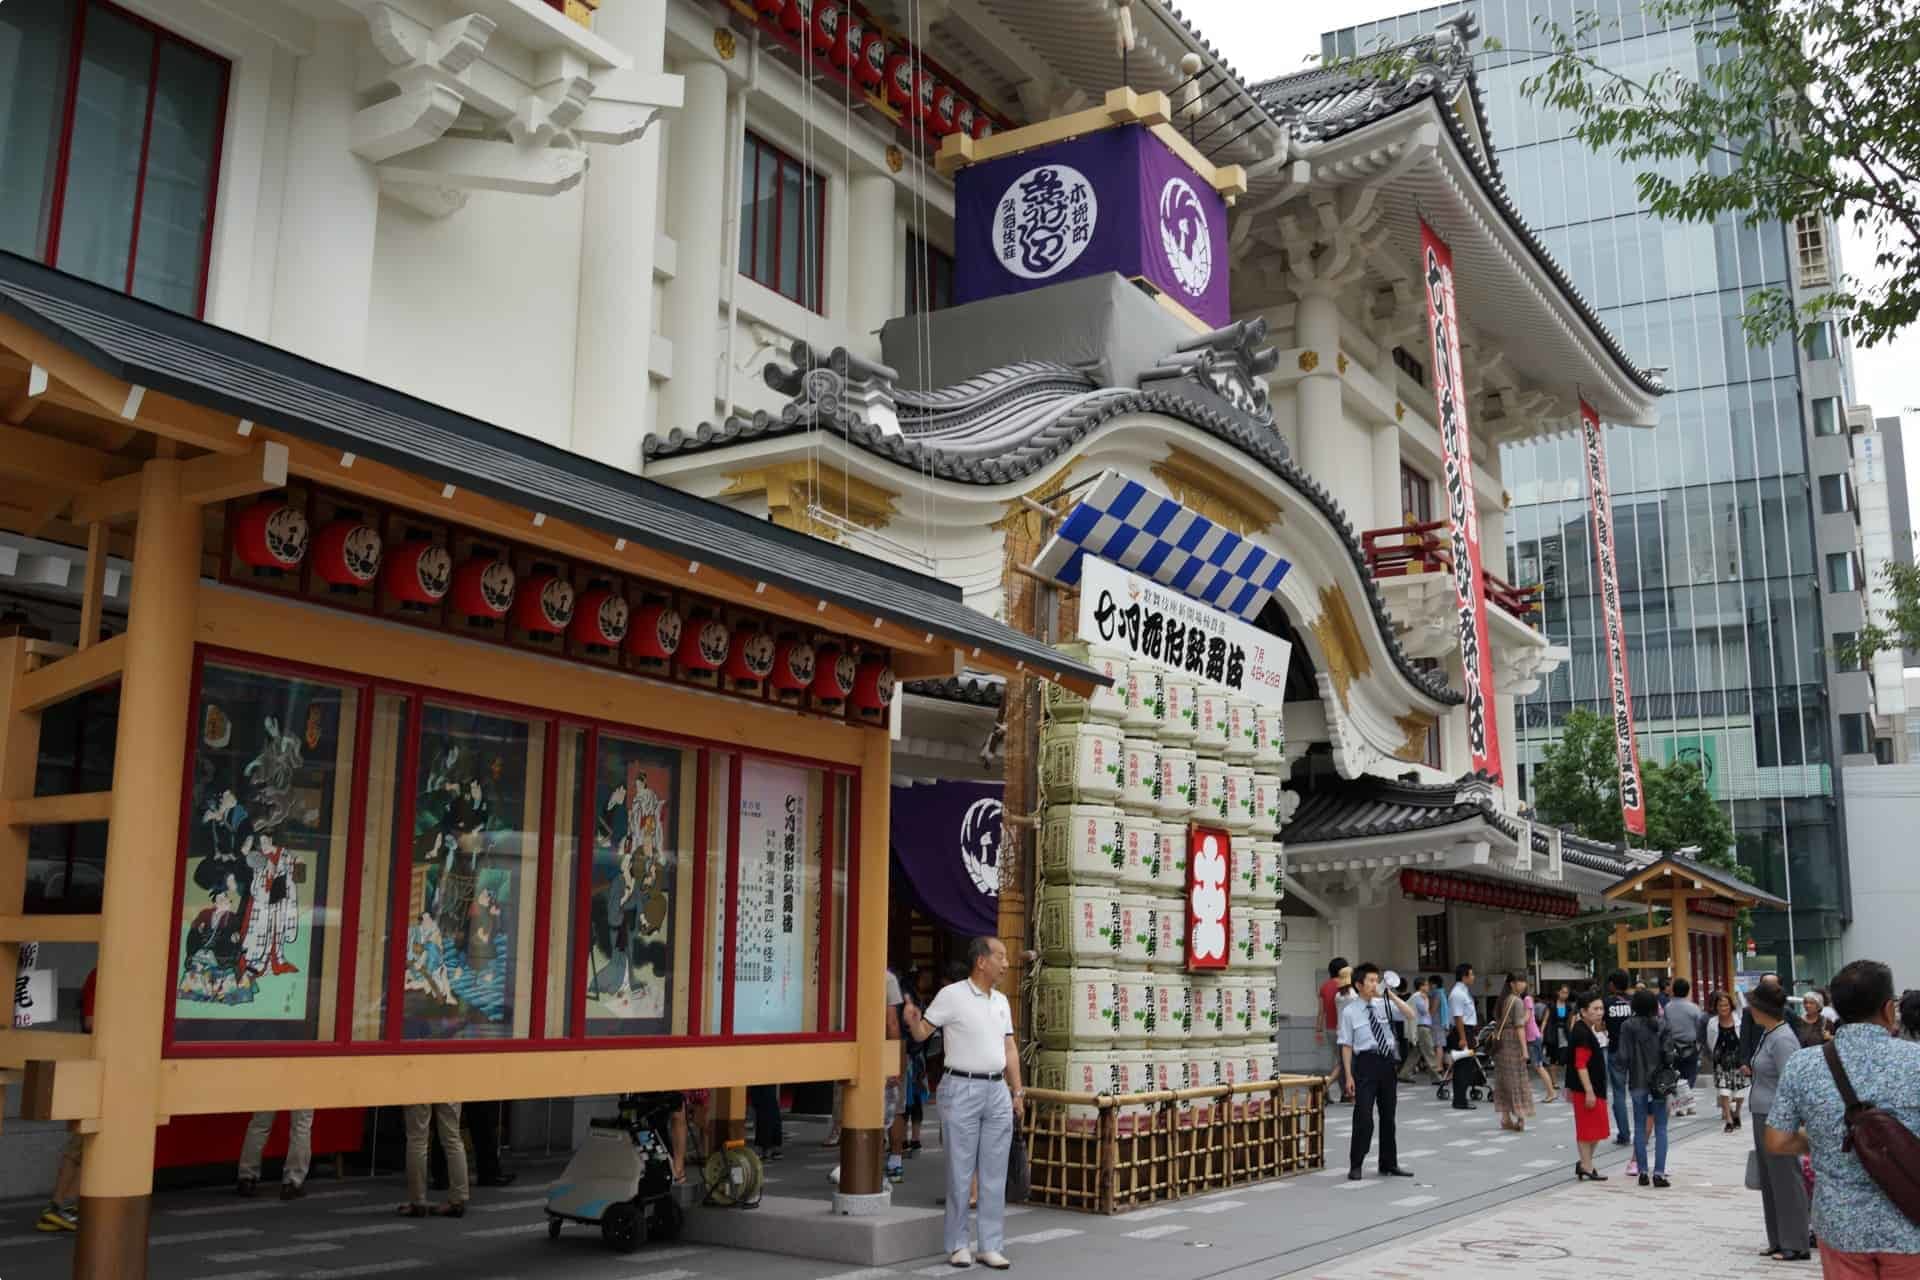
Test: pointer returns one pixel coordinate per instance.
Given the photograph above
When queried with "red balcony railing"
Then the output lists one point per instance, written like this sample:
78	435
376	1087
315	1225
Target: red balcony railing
1422	548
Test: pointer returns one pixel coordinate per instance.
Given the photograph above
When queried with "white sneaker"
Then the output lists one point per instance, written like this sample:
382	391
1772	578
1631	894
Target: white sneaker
961	1257
998	1261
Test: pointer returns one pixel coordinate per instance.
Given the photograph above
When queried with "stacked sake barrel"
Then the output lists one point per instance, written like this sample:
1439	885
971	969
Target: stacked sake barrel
1122	775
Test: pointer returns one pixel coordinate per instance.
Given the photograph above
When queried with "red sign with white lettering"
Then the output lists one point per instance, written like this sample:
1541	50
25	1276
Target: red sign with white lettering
1626	746
1208	925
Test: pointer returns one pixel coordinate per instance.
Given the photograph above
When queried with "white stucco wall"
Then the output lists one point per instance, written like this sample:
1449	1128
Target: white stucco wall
1882	811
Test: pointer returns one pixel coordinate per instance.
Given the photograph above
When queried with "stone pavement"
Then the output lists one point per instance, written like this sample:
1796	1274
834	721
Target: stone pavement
1478	1193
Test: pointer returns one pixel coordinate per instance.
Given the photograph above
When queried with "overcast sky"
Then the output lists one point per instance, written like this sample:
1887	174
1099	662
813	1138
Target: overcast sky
1262	38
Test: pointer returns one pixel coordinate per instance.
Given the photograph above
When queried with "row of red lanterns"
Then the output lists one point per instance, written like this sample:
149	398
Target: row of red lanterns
350	553
1426	884
864	55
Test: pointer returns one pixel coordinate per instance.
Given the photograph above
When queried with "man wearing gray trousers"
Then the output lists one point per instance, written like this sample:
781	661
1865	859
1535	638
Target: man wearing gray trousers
979	1095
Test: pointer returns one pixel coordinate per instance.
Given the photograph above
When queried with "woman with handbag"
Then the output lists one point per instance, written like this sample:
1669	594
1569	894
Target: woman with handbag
1586	1080
1783	1193
1648	1050
1723	1054
1512	1090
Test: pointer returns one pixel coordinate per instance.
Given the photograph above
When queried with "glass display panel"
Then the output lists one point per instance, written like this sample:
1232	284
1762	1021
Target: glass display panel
776	938
714	930
381	836
569	797
267	831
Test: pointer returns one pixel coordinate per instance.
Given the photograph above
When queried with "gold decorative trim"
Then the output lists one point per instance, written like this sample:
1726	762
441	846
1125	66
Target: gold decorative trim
1021	521
1205	487
1309	361
1341	648
896	159
725	43
1340	361
1399	411
1416	726
794	489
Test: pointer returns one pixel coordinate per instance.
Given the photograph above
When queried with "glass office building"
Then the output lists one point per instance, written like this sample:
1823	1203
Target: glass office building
1718	558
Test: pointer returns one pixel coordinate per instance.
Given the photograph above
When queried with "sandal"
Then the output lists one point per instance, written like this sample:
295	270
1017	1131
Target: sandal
449	1210
414	1211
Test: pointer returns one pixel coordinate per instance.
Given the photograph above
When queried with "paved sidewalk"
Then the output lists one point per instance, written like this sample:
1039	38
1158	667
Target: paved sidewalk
1706	1224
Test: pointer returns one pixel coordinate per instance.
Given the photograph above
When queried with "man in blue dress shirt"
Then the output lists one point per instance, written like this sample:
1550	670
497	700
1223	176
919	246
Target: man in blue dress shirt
1368	1055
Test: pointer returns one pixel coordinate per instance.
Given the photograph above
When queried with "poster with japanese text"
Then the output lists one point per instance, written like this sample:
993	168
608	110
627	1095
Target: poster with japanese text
776	827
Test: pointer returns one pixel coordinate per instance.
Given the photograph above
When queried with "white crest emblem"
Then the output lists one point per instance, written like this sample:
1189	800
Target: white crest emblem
286	536
1045	221
980	844
1185	236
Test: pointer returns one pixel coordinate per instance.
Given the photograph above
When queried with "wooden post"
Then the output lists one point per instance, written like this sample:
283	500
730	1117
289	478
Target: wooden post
131	992
1680	950
1620	946
93	590
862	1139
19	750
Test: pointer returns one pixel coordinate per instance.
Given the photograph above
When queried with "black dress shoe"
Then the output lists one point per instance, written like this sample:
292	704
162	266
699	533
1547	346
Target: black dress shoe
1645	1180
1396	1173
1660	1180
1353	1175
499	1180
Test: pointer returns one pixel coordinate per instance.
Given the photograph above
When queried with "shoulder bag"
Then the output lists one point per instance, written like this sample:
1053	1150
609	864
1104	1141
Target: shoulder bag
1886	1149
1489	1041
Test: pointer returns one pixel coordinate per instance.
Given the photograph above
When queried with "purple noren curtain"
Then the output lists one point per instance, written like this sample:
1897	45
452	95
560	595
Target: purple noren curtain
946	845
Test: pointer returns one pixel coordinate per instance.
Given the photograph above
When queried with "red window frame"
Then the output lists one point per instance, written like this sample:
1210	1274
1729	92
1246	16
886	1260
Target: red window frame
57	197
931	264
758	151
1416	495
572	1036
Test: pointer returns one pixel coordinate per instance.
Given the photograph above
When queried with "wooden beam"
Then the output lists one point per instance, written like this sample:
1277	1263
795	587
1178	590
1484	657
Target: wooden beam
50	928
218	477
50	460
18	1047
85	670
111	503
93	586
54	811
61	1088
24	402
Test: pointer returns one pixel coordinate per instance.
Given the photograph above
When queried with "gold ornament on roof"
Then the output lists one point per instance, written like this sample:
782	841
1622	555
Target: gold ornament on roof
1309	361
725	44
1342	651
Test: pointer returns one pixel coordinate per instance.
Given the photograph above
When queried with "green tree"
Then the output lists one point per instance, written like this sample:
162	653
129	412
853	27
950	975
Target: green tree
1896	628
1789	109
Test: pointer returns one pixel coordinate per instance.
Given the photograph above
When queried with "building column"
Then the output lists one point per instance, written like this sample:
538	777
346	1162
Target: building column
323	277
870	261
619	224
136	915
697	154
1387	507
863	1101
1326	451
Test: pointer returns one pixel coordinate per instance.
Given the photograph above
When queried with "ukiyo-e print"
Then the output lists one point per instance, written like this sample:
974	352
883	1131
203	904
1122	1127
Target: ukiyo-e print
264	818
631	889
473	843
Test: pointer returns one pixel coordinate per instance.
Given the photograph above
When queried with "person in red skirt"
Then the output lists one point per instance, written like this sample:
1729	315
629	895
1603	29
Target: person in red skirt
1586	1081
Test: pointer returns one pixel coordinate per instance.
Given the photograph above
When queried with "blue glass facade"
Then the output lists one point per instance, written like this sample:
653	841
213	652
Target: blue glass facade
1717	553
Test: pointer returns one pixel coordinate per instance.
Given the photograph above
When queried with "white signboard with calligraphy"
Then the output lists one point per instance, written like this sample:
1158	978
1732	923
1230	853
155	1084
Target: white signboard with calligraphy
1156	625
769	979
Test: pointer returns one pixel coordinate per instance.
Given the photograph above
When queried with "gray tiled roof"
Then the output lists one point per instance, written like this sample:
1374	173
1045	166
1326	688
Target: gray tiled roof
1712	875
974	690
1006	424
204	364
1323	103
1370	806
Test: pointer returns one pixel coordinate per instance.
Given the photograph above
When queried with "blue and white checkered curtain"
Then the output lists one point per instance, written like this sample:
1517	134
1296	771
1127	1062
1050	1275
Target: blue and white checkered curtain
1123	521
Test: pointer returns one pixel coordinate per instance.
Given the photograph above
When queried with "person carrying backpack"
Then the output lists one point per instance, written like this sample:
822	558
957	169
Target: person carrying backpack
1854	1105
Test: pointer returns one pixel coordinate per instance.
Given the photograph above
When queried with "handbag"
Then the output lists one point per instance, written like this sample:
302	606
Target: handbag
1019	1176
1489	1041
1885	1148
1753	1170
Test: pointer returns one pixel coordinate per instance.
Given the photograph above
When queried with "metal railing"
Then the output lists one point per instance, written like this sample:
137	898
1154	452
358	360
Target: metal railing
1420	547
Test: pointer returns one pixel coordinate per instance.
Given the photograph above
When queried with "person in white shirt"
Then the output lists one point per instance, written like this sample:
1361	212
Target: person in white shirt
1465	1018
978	1097
1369	1056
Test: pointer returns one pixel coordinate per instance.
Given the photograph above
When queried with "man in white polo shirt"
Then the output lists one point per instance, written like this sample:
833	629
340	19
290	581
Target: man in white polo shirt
977	1097
1466	1018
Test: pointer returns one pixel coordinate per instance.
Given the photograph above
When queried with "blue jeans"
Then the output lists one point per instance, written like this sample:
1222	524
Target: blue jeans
1617	1092
1644	1105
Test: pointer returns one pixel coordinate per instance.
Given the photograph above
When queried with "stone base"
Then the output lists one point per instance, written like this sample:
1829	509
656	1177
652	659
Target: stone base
862	1206
814	1228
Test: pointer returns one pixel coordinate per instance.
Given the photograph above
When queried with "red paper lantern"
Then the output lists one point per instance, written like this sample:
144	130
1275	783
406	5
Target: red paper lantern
870	66
834	670
964	117
899	80
925	86
418	572
848	42
655	631
347	553
873	685
271	534
599	619
705	644
946	110
796	15
771	8
483	587
982	126
827	20
793	665
544	605
750	654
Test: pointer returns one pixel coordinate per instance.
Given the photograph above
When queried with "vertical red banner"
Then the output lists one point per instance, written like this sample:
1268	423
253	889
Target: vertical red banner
1463	517
1633	799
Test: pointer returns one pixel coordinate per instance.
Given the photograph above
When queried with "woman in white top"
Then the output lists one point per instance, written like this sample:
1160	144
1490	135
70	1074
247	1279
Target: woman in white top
1722	1052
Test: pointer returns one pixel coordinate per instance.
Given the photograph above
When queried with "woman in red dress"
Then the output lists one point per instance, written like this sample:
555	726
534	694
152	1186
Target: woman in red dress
1586	1082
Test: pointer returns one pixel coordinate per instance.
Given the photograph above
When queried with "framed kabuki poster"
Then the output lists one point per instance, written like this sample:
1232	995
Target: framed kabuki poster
264	849
779	850
633	895
469	918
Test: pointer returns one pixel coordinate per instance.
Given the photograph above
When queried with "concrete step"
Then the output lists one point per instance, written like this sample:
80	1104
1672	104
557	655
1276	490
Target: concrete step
809	1228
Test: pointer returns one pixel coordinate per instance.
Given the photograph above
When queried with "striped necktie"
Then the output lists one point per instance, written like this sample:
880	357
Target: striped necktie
1379	1032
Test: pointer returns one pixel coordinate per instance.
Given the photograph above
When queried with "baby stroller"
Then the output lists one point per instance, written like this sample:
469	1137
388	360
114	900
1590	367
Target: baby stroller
622	1178
1479	1068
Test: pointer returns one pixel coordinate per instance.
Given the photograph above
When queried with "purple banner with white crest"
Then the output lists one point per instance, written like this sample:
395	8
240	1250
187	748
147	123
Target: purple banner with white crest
946	846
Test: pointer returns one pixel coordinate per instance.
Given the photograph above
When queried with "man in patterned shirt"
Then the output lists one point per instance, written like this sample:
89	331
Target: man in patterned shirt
1862	1233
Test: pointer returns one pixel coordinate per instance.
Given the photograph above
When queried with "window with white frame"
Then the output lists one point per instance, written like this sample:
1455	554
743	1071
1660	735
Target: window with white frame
783	215
1810	246
1826	416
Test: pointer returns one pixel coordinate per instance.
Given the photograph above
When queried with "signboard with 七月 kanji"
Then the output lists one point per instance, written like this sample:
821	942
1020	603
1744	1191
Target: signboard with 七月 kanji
1147	623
